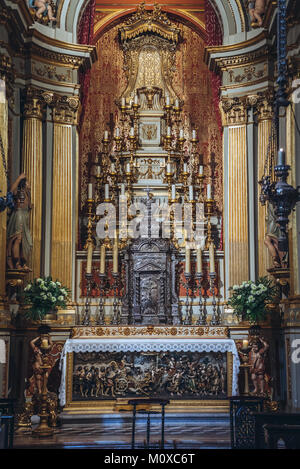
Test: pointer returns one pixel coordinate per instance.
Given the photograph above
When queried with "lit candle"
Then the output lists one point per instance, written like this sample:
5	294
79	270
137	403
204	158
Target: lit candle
184	167
201	170
90	191
211	258
187	260
199	260
106	191
281	157
106	135
102	259
181	133
245	343
194	135
89	259
115	257
117	132
132	131
208	191
191	192
169	131
173	192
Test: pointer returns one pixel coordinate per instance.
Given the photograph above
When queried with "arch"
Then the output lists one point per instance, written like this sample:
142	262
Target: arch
231	13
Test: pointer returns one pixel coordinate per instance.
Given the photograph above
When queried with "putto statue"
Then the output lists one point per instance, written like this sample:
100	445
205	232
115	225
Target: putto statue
43	8
19	241
256	10
259	348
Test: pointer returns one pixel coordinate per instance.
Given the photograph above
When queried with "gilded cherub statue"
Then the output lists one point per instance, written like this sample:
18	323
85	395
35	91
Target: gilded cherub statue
256	10
43	8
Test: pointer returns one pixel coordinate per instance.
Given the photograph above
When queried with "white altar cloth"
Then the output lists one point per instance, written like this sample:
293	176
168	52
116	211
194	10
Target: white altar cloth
147	345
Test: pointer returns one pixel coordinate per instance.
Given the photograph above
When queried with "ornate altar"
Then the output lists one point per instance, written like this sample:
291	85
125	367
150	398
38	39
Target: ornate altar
103	367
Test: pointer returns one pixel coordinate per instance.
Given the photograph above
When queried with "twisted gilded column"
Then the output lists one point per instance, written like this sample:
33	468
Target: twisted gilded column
235	190
265	115
64	118
32	166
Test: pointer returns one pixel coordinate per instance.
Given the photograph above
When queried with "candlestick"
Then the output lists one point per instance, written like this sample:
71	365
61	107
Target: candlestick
169	131
184	167
167	100
194	135
169	168
181	133
173	192
201	170
199	260
90	191
106	192
102	259
211	258
136	99
128	169
191	193
117	132
187	260
98	170
281	157
113	168
115	257
123	189
123	102
245	344
131	132
176	103
89	259
208	191
105	135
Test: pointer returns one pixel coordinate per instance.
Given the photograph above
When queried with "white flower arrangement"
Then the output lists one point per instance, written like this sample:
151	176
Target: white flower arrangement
44	295
250	299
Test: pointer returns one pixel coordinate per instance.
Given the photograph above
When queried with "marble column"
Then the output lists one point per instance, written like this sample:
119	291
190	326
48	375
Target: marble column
265	115
63	180
236	190
32	166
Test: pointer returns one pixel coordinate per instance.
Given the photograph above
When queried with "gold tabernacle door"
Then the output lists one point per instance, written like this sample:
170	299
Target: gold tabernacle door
103	367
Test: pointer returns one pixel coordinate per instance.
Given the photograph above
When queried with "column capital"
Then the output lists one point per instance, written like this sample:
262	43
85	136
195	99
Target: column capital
234	110
34	103
65	109
265	105
7	72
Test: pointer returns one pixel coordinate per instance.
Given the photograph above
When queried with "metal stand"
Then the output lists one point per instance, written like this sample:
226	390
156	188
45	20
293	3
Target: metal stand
188	307
116	318
101	315
87	308
202	318
215	320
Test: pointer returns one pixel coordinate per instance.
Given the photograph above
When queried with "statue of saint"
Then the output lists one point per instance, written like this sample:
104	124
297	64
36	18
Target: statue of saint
256	11
19	241
258	369
43	8
271	239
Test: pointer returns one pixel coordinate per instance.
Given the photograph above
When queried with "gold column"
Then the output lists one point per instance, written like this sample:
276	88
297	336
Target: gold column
64	117
265	114
6	90
32	166
3	186
237	255
293	231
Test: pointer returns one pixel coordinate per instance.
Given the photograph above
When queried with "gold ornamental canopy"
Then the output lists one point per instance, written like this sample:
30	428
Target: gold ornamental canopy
149	21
